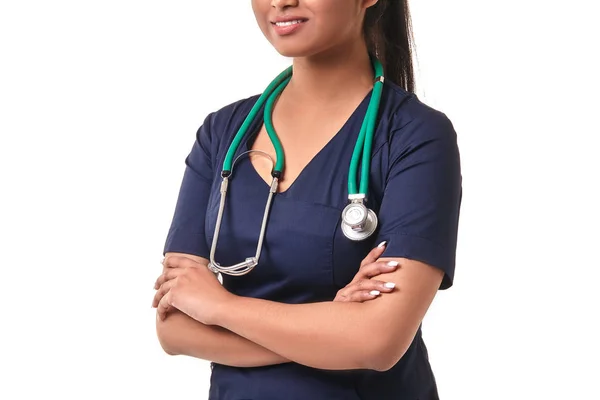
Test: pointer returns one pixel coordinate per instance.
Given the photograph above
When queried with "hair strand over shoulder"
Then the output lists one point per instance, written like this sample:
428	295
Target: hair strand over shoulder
389	37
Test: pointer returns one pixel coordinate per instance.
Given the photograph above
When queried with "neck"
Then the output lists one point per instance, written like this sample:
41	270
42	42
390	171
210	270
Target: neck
340	74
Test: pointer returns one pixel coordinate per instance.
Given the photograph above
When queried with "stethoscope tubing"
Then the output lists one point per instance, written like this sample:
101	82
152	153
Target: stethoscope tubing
227	164
354	229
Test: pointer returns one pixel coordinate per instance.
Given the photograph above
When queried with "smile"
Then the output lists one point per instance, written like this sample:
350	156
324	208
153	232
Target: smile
288	23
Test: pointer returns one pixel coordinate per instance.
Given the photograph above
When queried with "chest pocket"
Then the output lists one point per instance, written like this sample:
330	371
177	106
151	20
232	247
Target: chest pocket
296	262
347	257
348	254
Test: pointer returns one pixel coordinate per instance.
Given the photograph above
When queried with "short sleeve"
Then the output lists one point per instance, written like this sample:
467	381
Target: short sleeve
187	233
421	203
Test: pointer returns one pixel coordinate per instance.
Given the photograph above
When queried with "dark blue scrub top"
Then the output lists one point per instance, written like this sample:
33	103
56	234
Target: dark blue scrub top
415	189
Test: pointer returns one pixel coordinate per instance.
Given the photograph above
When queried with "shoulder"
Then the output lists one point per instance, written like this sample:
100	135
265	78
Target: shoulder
221	125
406	109
229	116
410	122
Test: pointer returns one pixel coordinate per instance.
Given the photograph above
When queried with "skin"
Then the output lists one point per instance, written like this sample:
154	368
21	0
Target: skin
329	53
180	334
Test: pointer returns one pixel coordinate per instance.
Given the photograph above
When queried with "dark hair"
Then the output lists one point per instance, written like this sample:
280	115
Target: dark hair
389	37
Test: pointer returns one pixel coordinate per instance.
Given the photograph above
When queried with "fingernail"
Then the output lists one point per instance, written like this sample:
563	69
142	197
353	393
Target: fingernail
382	244
393	263
390	285
374	292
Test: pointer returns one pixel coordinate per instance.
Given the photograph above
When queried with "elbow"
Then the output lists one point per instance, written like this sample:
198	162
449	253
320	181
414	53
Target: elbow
165	337
384	363
167	348
385	353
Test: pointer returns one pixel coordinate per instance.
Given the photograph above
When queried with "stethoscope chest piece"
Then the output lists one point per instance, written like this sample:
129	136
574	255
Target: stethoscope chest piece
358	222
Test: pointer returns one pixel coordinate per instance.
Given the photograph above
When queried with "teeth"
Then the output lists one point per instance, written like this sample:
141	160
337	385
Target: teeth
288	23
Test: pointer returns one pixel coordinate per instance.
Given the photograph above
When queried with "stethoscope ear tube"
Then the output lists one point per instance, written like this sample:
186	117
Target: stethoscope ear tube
248	265
227	164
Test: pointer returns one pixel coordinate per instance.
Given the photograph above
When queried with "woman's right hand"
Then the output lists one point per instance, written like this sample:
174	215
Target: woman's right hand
362	288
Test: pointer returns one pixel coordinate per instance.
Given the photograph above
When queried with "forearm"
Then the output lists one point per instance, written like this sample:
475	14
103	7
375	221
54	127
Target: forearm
328	335
180	334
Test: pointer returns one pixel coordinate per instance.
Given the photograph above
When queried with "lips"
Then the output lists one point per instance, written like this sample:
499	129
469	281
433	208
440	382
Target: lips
288	25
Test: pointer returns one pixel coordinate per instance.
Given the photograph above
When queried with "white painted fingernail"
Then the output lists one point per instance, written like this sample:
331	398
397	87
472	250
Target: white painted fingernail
393	263
382	244
374	292
390	285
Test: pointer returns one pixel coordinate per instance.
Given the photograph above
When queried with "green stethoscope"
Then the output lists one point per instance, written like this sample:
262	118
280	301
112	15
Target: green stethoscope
358	222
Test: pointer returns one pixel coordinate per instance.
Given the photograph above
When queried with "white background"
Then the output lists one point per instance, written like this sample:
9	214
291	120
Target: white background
99	105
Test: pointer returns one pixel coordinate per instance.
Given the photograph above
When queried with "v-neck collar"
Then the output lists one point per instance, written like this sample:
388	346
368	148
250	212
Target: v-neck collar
254	129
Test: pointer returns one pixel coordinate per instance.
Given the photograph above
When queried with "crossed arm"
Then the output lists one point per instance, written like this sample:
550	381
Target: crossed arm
181	335
327	335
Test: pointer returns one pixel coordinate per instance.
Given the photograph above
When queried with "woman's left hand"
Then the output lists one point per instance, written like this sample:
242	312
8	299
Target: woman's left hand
191	288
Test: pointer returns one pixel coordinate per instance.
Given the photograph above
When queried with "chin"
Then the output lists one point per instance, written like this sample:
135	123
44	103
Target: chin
291	53
296	50
291	50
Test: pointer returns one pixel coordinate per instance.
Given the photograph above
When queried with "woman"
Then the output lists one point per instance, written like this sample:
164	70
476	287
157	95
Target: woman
318	317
